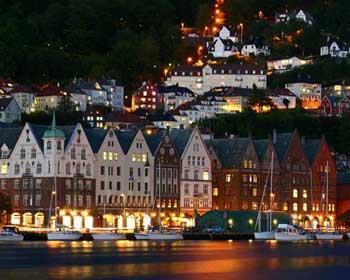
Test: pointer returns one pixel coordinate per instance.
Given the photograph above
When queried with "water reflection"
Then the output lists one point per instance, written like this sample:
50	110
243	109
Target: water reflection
172	260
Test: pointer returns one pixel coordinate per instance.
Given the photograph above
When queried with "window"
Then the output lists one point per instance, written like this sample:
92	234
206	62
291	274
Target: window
304	193
198	161
16	184
115	156
255	192
38	184
37	199
72	154
110	185
186	202
205	189
244	178
68	200
22	153
4	168
33	153
118	170
255	179
104	155
205	175
295	193
25	200
3	184
102	185
188	160
254	206
187	174
295	207
215	191
48	146
304	207
88	169
245	164
196	175
285	206
228	178
187	189
17	168
59	145
39	168
68	168
196	189
110	156
16	200
102	170
203	161
68	184
88	201
80	200
83	154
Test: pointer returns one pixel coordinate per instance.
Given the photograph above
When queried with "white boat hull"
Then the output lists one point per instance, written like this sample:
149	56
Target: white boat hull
108	236
141	236
264	235
286	236
14	237
329	236
165	236
64	235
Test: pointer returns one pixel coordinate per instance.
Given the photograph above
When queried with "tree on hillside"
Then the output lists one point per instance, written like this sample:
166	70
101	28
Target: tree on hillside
259	102
5	205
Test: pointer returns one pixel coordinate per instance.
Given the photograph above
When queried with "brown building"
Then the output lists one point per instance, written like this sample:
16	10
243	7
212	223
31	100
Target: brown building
146	97
167	180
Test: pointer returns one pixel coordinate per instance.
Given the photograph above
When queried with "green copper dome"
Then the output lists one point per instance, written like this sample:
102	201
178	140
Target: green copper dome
54	132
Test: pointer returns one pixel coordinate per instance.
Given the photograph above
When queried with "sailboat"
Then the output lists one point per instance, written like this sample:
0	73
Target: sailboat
160	234
327	233
269	234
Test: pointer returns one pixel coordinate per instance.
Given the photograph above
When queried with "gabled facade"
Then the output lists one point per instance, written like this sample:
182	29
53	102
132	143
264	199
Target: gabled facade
196	179
9	110
334	105
335	48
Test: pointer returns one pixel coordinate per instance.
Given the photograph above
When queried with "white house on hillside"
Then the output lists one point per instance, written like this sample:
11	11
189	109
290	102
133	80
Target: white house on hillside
287	64
335	48
255	47
224	44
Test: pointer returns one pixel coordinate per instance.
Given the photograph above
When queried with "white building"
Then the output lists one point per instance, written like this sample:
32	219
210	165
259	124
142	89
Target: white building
174	96
255	47
78	97
203	79
287	64
301	15
9	110
282	98
335	48
115	93
224	44
196	178
24	97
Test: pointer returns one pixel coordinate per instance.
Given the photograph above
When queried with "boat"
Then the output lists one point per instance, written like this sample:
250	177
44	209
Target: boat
269	234
64	234
112	235
163	235
10	233
141	235
286	232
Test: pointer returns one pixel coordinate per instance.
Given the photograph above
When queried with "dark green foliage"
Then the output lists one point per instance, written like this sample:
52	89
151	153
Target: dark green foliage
336	130
5	205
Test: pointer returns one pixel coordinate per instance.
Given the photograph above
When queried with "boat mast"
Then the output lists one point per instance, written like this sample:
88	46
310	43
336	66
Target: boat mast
271	194
160	198
327	170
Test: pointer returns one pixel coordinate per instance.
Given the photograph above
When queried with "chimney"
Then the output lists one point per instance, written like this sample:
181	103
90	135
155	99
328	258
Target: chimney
274	137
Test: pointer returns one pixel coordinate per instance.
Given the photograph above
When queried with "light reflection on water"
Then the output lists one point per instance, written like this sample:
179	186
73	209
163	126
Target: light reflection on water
173	260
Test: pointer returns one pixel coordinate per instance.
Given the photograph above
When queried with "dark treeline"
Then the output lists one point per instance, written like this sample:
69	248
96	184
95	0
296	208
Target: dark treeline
336	130
55	40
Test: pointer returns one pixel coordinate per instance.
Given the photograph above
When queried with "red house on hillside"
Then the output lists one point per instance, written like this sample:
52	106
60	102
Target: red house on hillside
146	97
334	105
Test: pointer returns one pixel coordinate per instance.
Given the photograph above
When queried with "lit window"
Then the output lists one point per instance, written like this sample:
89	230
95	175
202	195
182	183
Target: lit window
295	193
215	191
205	175
304	207
255	179
4	168
254	206
304	193
285	206
228	178
144	157
104	155
110	156
133	157
295	207
255	192
115	156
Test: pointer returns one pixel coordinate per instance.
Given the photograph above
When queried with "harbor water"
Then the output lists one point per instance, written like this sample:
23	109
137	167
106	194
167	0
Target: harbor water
174	260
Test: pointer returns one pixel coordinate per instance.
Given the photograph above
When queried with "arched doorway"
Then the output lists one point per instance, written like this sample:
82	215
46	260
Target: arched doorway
39	219
120	222
130	222
109	220
27	219
78	222
16	219
146	221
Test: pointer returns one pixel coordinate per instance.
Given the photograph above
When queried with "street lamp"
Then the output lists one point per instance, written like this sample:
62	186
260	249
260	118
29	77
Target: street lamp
241	26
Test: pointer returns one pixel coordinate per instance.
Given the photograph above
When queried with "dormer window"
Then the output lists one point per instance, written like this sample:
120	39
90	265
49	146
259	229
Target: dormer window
72	153
49	145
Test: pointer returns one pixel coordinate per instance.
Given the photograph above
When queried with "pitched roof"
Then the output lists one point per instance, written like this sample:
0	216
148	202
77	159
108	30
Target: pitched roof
311	147
333	98
125	138
282	144
237	69
95	137
4	102
280	92
176	89
9	136
260	147
230	151
186	70
180	137
22	89
153	141
166	117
